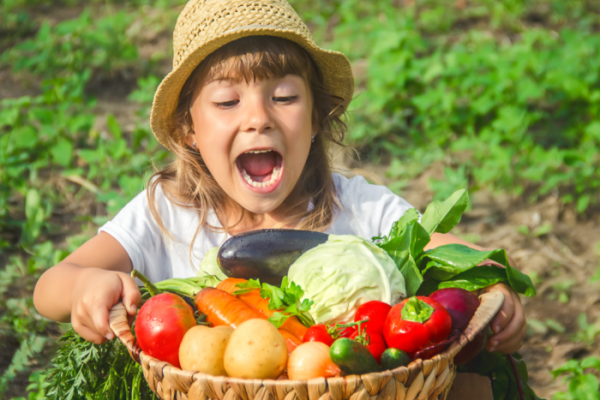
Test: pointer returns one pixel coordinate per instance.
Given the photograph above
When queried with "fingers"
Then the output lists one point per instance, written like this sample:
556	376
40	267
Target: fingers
100	321
514	344
511	335
506	312
84	331
131	293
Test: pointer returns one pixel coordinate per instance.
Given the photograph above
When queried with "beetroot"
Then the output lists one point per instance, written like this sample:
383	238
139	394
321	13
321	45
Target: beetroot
461	305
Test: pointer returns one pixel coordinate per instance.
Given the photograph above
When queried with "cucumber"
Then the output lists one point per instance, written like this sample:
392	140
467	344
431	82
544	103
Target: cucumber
353	357
266	254
393	358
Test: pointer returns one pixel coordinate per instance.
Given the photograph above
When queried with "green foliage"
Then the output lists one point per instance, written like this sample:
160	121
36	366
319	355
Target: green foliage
587	332
501	111
83	370
583	384
76	45
450	265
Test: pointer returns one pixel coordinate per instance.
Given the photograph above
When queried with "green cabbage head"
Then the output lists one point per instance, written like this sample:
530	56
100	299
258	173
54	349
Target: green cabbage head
344	273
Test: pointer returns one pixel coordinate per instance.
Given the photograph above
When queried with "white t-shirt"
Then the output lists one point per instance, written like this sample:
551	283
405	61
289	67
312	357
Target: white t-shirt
367	210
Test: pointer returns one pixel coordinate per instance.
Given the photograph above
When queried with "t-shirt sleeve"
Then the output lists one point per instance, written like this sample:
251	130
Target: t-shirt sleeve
137	231
374	208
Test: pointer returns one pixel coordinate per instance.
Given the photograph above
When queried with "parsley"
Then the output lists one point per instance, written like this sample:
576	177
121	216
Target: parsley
287	300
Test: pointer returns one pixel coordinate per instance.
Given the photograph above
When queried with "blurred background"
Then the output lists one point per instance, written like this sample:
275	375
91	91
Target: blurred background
502	97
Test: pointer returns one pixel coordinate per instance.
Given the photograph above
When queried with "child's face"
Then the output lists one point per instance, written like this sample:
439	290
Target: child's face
254	137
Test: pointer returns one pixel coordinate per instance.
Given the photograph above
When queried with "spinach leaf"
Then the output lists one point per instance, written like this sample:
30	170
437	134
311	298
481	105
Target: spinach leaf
473	279
451	265
443	216
405	249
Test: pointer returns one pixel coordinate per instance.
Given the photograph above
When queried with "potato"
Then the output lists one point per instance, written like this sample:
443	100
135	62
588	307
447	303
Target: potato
256	350
202	349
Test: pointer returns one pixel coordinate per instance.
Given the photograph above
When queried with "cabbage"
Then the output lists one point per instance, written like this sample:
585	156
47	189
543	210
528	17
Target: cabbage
210	266
344	273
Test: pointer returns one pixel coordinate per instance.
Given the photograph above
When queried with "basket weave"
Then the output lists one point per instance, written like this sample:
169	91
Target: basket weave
420	380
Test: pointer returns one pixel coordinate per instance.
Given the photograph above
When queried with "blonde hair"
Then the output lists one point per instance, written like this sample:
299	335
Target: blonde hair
188	182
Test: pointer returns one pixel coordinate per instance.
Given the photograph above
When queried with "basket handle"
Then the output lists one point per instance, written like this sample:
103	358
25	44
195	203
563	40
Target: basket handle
487	310
117	320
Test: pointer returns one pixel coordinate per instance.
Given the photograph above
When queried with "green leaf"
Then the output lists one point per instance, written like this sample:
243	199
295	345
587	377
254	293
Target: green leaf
445	262
24	137
246	287
473	279
113	126
443	216
62	152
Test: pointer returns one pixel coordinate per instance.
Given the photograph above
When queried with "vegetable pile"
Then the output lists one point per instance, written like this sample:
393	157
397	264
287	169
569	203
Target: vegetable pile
346	306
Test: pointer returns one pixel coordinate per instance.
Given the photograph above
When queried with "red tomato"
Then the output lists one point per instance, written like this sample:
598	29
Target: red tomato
374	311
318	333
423	323
161	324
347	332
376	343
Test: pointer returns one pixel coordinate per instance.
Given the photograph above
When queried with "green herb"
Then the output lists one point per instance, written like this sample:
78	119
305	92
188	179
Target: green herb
287	300
451	265
86	371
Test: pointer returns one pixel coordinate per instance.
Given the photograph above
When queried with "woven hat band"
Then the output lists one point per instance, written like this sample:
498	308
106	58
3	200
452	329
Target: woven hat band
206	25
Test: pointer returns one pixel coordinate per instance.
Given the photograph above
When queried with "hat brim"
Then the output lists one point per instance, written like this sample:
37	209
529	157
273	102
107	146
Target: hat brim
334	67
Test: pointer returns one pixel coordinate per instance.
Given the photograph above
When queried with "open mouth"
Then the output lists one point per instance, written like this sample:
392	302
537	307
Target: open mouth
260	169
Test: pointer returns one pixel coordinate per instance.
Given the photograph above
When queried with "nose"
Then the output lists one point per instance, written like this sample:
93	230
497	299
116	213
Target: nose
256	117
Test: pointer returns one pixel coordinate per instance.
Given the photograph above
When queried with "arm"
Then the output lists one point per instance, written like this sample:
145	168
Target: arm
509	326
84	286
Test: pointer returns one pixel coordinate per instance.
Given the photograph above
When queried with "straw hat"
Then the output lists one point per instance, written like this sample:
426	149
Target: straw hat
206	25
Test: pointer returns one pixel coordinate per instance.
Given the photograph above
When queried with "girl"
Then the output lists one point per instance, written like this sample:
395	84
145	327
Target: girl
250	110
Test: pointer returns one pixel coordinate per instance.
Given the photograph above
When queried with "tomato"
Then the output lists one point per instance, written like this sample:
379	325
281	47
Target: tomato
416	323
318	333
374	342
374	311
161	324
346	332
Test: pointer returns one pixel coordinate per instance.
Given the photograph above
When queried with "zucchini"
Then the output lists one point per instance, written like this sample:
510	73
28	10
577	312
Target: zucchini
393	358
266	254
352	357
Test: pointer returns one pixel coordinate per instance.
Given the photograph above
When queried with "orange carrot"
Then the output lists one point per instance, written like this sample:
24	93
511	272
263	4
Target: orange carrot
229	284
253	299
222	308
290	340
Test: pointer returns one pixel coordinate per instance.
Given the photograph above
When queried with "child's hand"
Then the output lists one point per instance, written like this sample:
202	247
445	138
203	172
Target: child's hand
95	292
509	325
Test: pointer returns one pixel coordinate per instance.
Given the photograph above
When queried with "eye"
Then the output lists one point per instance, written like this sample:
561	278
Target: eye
286	99
226	104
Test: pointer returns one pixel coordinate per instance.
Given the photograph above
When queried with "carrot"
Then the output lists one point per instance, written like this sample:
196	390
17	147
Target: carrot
222	308
290	340
253	299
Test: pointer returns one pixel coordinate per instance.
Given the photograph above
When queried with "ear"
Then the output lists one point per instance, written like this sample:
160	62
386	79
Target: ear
190	139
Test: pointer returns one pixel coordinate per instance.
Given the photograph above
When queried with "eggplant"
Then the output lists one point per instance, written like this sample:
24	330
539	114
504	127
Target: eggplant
266	254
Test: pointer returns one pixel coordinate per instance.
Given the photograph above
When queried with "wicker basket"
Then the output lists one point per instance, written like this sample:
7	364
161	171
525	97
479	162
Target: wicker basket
423	380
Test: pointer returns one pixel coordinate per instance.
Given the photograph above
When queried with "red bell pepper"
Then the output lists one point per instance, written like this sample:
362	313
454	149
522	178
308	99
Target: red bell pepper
417	323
